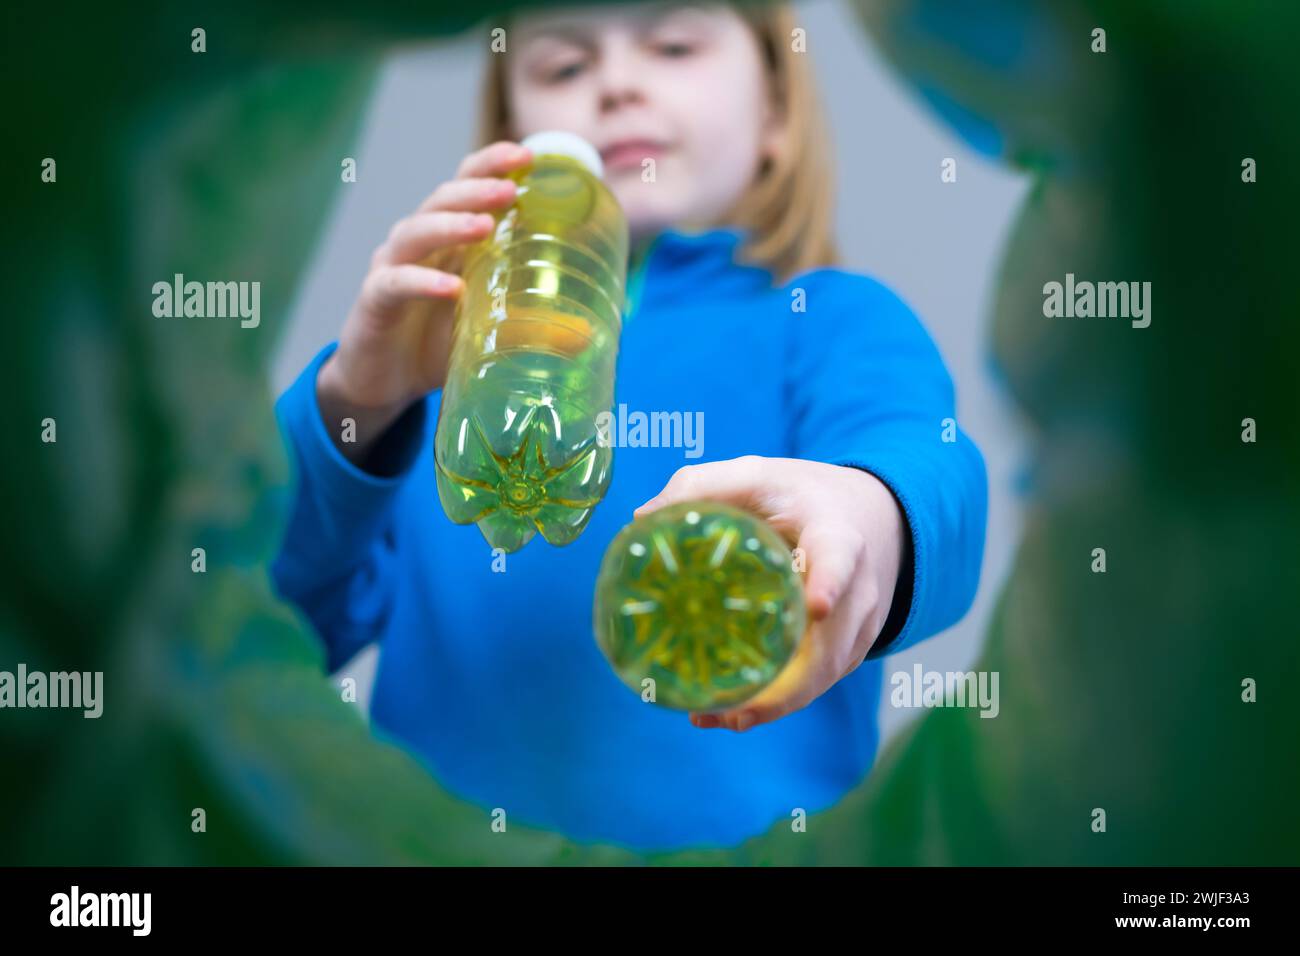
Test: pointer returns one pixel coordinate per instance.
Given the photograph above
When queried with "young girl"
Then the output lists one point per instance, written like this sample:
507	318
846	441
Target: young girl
828	410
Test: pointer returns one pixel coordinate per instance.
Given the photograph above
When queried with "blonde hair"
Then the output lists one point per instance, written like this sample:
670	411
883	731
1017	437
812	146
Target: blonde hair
788	208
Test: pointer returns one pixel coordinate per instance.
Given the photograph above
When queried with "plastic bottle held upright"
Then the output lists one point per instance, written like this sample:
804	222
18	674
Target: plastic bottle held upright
533	354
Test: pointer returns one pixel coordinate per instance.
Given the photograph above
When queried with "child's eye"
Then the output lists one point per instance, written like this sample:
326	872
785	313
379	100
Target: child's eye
566	72
675	49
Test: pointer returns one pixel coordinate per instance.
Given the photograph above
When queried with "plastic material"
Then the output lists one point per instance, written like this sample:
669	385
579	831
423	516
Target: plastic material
533	358
702	599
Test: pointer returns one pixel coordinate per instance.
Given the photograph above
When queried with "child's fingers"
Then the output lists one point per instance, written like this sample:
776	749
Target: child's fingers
806	677
486	166
734	481
471	195
830	648
412	239
387	288
496	159
832	554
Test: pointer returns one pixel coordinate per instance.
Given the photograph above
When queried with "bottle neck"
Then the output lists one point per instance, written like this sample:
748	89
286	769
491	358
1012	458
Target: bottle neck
638	249
638	256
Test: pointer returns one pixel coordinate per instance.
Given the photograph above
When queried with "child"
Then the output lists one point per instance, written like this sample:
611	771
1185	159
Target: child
826	405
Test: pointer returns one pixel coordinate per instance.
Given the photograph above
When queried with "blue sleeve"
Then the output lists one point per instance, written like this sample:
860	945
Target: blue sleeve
868	389
336	559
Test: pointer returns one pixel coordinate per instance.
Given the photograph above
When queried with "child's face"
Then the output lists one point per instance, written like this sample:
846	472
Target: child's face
683	85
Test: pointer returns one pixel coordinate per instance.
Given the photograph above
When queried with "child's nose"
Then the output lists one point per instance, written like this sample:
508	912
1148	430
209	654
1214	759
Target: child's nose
621	82
612	98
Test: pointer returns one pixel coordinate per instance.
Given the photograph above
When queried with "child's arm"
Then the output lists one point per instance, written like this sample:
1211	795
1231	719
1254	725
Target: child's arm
869	389
335	560
355	416
886	497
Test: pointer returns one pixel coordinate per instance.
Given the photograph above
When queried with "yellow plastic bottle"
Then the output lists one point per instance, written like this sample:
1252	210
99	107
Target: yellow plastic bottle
701	601
533	354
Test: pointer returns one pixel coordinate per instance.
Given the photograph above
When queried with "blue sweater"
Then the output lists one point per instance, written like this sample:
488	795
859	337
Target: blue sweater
494	679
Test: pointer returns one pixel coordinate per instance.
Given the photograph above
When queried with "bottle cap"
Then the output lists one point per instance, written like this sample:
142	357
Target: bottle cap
563	143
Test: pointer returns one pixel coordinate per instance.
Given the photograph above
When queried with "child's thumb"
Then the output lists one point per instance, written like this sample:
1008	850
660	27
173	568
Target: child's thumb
734	482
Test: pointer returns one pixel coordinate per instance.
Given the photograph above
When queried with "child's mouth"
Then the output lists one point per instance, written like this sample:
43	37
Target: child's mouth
629	154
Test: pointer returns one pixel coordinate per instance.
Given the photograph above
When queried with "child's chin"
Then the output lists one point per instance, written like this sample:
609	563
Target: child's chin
646	220
647	230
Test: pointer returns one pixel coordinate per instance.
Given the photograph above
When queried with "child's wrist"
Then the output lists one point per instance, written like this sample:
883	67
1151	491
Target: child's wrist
353	426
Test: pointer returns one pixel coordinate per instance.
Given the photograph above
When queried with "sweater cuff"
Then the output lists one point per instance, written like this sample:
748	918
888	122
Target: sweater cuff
346	485
909	590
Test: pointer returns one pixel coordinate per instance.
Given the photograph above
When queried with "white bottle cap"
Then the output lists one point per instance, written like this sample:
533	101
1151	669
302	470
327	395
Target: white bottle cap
563	143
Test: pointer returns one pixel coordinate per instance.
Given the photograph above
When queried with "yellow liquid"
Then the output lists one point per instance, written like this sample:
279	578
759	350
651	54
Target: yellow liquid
702	599
532	362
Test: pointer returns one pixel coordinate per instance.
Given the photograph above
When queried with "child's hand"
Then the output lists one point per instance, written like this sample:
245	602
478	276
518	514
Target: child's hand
395	343
851	531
